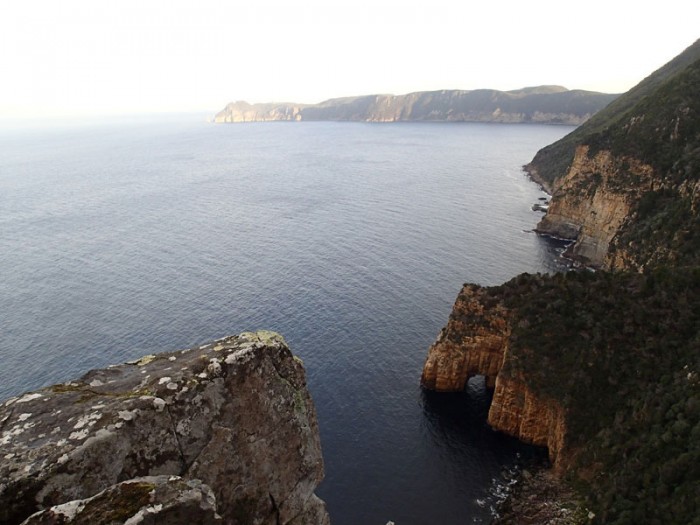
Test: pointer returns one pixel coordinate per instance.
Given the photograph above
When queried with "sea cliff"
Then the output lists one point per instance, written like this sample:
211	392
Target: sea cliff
476	341
626	185
591	207
222	433
601	368
542	104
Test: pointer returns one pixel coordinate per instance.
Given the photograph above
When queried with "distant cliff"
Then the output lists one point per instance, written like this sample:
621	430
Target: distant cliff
626	184
222	433
603	369
543	104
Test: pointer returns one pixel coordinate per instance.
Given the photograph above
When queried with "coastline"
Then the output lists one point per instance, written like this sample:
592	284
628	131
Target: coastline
532	173
537	497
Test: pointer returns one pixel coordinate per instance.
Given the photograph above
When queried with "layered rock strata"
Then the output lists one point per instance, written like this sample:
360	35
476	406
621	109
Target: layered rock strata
476	342
625	184
591	203
225	431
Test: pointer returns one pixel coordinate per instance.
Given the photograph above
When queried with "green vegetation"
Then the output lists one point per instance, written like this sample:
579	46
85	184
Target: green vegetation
655	92
661	129
665	134
620	351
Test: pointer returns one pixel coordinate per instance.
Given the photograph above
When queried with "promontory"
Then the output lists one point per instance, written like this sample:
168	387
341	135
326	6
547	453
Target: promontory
603	367
541	104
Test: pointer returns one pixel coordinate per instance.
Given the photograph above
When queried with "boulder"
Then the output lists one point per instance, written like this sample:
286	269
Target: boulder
234	414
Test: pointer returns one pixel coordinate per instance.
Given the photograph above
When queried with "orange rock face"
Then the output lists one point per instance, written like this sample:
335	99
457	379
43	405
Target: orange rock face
476	342
592	202
473	343
518	411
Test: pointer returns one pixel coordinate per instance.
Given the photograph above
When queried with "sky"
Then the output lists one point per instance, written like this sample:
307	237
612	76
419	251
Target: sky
106	57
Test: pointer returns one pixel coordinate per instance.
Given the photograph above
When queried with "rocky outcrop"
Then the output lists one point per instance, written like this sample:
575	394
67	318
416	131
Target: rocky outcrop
539	498
223	431
592	202
520	412
624	184
242	111
542	104
476	342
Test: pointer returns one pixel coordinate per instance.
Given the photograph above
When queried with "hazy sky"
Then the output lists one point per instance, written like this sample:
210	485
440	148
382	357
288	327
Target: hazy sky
92	57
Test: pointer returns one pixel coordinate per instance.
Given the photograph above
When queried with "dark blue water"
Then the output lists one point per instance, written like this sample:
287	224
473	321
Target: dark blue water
352	240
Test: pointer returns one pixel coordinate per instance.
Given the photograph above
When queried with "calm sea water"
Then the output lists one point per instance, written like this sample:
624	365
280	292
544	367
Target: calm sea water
352	240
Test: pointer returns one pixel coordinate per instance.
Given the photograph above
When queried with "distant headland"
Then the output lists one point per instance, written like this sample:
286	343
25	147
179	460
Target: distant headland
540	104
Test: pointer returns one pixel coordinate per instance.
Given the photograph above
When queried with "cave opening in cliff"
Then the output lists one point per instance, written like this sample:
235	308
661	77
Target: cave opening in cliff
476	386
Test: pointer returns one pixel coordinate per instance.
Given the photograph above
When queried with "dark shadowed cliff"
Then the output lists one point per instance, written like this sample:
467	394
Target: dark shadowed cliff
543	104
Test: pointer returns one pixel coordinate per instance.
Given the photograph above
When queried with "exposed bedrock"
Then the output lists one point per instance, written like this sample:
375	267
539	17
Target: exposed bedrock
473	343
476	342
592	202
227	430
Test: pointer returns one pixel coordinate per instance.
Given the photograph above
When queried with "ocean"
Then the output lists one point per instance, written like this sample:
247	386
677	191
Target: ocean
127	237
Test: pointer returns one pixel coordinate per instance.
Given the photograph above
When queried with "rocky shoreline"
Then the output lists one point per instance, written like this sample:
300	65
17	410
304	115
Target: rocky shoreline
537	497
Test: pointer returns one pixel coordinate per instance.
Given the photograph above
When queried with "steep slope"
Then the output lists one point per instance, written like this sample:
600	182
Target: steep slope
626	185
601	368
552	162
545	104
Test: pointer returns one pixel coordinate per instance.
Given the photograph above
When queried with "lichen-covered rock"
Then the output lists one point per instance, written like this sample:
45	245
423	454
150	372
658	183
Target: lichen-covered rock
147	500
234	414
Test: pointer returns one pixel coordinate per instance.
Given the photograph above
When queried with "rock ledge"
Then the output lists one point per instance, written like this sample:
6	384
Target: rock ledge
227	430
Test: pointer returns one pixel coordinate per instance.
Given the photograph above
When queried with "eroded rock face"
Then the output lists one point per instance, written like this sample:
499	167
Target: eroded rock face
519	412
476	342
234	414
473	342
592	202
